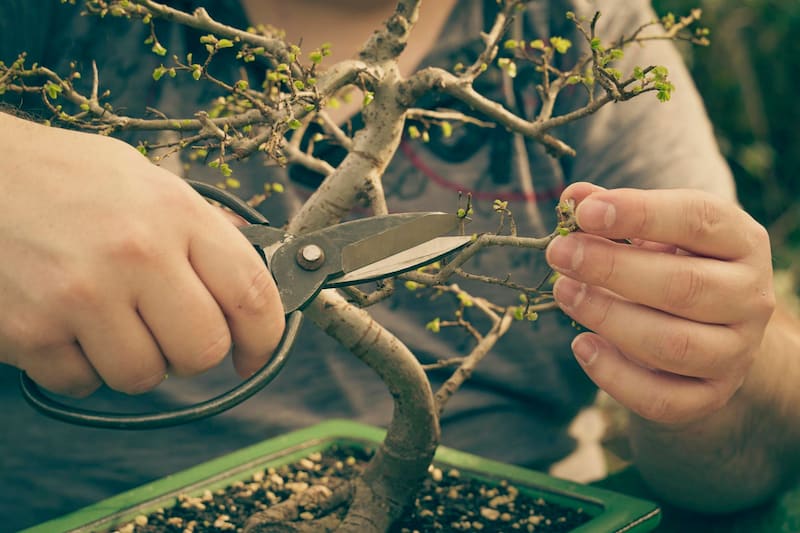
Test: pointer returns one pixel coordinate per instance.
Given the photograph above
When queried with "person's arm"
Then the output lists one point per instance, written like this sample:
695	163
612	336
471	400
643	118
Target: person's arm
116	271
744	453
711	373
683	334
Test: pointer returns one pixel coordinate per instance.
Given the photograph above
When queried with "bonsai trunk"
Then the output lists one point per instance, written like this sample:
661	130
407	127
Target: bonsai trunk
395	472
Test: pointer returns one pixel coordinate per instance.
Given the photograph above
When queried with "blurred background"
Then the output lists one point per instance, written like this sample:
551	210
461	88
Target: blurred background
747	77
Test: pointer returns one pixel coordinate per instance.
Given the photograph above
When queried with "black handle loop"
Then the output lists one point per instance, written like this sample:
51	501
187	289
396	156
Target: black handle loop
110	420
102	419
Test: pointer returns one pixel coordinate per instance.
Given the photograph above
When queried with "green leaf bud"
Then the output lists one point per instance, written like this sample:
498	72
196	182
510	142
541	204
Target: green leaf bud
447	129
411	285
315	57
369	96
560	44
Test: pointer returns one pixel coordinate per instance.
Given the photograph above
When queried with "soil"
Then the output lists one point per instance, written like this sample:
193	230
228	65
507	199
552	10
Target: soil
449	501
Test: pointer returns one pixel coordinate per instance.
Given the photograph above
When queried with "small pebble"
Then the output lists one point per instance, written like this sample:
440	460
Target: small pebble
222	522
297	486
535	519
490	514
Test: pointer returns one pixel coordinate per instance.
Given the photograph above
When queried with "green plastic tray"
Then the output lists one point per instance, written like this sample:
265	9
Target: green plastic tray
610	511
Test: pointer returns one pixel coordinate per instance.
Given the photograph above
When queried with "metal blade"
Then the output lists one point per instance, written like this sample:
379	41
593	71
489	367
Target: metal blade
402	237
265	237
406	260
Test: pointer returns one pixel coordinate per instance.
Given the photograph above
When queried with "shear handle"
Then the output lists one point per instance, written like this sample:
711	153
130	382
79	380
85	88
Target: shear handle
110	420
101	419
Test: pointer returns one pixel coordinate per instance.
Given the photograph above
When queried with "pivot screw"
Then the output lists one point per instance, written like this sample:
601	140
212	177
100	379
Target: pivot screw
310	257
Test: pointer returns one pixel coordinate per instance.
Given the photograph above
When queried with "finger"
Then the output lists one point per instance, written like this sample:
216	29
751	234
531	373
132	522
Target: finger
232	217
655	246
580	190
185	319
121	349
62	369
697	288
657	396
243	287
653	339
693	220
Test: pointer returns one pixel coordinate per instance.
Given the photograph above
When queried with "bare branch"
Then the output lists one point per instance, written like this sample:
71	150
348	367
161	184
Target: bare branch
419	114
467	367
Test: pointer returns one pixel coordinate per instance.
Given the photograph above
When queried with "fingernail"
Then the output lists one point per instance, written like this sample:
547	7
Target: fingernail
568	292
584	349
565	253
594	215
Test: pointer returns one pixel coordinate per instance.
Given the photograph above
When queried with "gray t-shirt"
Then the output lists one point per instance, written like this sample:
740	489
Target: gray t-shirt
519	402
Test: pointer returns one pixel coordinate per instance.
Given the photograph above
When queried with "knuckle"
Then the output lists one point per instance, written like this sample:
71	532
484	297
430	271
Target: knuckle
140	385
756	239
602	308
718	401
760	236
659	408
683	288
604	268
76	290
133	243
82	388
674	345
720	393
765	302
640	218
742	351
73	384
258	298
213	351
702	217
25	333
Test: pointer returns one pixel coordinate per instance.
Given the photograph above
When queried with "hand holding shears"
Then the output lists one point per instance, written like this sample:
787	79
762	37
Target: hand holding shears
344	254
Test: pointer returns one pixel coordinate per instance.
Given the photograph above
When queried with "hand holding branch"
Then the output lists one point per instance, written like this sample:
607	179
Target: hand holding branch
677	316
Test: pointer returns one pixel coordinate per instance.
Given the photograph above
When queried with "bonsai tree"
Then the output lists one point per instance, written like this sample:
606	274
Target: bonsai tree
269	118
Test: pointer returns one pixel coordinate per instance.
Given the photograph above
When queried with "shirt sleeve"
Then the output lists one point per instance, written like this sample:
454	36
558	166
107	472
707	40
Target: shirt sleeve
642	142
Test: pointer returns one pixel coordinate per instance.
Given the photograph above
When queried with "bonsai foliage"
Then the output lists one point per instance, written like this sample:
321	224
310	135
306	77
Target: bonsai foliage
269	117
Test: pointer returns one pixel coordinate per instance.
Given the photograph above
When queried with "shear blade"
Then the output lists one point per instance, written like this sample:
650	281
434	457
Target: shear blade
394	240
404	261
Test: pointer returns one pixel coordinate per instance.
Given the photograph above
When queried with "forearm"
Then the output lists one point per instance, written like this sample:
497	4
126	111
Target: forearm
744	453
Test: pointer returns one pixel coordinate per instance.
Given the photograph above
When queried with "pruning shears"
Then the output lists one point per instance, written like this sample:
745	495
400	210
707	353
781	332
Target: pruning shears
340	255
